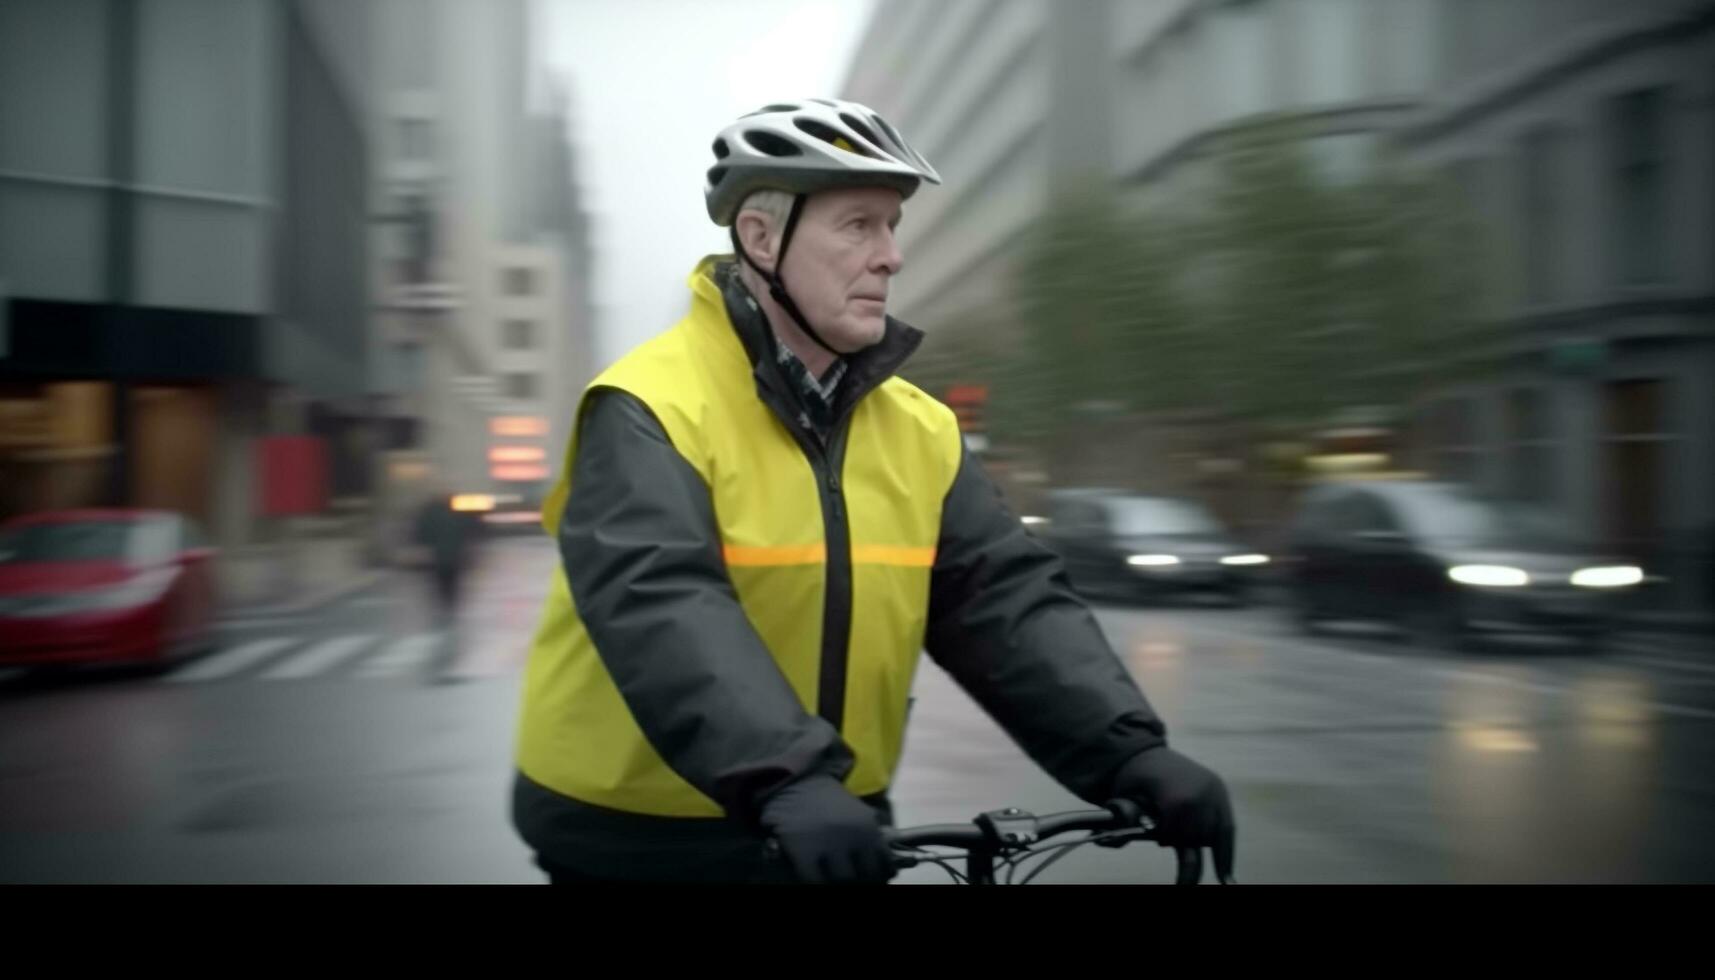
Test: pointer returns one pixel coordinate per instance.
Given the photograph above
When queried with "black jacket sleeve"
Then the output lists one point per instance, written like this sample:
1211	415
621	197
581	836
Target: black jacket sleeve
1005	624
642	554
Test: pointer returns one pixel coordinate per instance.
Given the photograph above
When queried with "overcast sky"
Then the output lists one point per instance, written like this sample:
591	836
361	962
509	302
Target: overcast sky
652	82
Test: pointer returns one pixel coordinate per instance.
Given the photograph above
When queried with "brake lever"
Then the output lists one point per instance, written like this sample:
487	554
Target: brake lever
1120	838
1142	827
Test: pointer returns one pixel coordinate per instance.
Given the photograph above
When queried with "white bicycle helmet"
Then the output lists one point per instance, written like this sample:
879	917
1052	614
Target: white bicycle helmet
809	146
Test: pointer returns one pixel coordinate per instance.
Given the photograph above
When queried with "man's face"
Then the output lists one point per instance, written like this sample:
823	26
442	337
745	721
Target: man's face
840	261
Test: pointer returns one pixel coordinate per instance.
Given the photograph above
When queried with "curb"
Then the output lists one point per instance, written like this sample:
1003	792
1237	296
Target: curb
362	582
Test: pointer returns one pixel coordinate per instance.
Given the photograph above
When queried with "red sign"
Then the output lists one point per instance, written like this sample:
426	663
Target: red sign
967	403
292	475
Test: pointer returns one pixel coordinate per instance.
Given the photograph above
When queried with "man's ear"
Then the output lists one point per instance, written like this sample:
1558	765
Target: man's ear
756	234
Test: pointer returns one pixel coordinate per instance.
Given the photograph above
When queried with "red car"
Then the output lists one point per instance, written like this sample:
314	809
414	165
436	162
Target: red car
104	586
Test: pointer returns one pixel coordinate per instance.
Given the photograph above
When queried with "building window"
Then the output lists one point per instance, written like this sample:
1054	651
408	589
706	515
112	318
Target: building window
1291	46
1477	183
409	364
1242	57
520	282
1463	39
414	141
1530	430
1542	155
520	334
1638	151
1639	432
521	386
415	242
1333	49
1454	437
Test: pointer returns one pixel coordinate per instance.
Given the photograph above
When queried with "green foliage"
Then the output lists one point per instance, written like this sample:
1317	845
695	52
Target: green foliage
1270	298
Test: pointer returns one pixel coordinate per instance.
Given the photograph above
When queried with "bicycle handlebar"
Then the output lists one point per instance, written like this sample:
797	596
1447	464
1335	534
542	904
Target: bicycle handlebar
1003	832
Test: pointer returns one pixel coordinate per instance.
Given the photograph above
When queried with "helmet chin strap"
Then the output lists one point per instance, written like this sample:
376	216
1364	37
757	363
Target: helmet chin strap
776	285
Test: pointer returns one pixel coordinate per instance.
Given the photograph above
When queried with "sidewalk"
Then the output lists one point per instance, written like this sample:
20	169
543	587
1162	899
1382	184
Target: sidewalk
318	564
309	598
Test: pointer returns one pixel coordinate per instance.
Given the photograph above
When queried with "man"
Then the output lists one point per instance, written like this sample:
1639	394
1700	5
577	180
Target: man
449	539
760	528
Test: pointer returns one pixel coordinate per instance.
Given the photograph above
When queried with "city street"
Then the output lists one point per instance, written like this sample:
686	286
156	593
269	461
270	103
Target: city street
354	745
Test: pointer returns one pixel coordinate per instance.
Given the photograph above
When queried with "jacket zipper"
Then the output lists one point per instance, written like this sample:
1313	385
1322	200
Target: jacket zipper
826	463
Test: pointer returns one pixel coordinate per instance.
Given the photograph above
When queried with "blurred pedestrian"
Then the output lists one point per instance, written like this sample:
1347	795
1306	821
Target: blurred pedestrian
448	540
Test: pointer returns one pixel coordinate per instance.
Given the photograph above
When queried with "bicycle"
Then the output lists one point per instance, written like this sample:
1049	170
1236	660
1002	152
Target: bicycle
1006	839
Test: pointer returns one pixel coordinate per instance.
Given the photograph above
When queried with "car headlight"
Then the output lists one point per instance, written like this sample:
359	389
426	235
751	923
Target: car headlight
1033	520
1489	575
1152	561
1245	560
1608	577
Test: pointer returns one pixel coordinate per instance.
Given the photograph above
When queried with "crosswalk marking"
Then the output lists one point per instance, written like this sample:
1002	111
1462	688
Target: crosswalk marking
229	662
1668	664
402	655
372	656
318	658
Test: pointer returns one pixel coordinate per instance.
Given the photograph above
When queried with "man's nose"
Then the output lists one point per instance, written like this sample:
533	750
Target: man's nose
888	257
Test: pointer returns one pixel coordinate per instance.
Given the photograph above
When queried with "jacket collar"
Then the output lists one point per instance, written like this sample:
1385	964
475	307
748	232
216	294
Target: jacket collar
717	287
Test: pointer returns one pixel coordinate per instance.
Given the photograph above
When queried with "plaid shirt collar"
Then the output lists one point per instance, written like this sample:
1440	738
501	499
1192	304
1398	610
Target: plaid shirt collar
815	395
807	384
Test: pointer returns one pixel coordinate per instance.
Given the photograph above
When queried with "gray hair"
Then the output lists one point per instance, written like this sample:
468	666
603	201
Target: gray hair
775	204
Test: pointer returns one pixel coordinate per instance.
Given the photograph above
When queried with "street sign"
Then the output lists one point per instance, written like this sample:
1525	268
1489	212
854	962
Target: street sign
968	403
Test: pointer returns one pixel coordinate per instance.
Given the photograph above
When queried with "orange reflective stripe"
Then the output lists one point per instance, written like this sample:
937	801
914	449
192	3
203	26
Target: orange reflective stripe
812	554
882	554
793	554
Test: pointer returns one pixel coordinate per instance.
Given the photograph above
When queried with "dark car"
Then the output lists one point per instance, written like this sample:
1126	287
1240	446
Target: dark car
1445	563
104	586
1135	546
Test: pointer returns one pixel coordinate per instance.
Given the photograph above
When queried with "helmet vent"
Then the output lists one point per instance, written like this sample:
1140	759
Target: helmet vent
859	128
828	134
771	144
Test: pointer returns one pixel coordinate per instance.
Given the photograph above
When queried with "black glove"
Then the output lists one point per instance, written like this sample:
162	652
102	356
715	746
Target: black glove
1188	803
828	835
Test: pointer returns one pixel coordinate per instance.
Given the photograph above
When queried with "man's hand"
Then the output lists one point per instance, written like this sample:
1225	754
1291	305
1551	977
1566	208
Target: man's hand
1189	804
828	835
